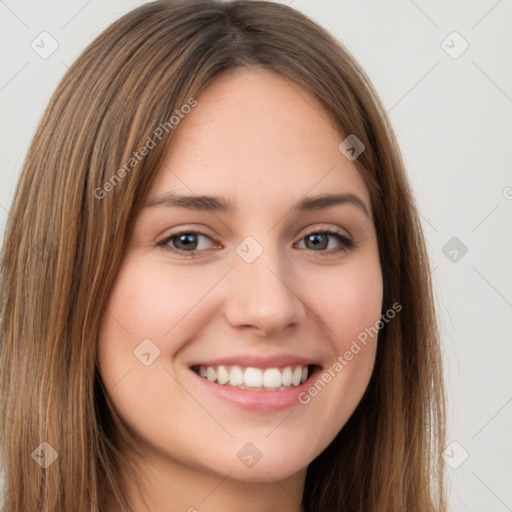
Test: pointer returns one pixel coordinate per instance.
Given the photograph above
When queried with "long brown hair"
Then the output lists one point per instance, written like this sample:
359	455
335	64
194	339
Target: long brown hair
68	230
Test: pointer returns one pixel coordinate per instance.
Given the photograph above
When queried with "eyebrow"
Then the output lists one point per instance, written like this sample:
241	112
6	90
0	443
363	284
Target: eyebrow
223	205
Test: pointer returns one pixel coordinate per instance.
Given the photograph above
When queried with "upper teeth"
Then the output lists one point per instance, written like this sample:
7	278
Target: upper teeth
255	378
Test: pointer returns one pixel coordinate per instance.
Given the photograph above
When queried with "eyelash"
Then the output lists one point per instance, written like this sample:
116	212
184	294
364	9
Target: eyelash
345	242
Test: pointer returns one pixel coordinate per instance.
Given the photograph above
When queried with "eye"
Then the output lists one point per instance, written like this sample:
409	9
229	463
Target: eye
319	240
185	242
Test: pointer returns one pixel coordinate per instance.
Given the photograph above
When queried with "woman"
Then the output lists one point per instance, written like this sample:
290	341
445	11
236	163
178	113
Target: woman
215	288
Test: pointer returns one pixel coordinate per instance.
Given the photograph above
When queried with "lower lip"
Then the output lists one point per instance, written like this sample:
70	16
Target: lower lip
261	401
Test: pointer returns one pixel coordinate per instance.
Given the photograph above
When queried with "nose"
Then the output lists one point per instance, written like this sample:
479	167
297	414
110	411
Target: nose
261	296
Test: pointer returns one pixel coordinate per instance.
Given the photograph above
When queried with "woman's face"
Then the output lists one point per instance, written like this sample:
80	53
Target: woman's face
249	288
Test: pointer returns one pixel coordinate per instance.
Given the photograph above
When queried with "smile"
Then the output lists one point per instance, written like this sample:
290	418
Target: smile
263	384
255	379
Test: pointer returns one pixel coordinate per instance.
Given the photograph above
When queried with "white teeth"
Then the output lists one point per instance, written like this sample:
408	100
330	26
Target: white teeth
286	377
255	378
236	376
222	375
296	376
211	374
272	378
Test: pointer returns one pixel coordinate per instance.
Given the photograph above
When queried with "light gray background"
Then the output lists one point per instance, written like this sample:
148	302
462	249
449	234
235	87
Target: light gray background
453	118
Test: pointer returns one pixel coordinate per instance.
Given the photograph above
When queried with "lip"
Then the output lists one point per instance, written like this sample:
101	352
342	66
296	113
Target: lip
258	401
258	361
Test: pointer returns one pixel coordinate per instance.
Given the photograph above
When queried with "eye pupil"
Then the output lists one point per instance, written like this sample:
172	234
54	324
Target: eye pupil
315	239
187	240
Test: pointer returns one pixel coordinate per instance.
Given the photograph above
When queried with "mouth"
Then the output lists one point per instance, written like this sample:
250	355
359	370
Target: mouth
256	379
264	388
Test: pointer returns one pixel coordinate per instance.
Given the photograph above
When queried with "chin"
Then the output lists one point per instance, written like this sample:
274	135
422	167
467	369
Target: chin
262	461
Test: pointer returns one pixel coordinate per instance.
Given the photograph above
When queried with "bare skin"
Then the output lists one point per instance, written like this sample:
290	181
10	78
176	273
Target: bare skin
264	143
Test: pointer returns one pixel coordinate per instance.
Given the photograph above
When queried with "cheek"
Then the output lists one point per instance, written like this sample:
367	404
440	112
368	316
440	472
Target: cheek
350	307
140	311
350	303
151	310
141	302
147	313
147	302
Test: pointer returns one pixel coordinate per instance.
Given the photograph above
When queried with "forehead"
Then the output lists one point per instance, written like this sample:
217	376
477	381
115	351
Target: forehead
257	136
